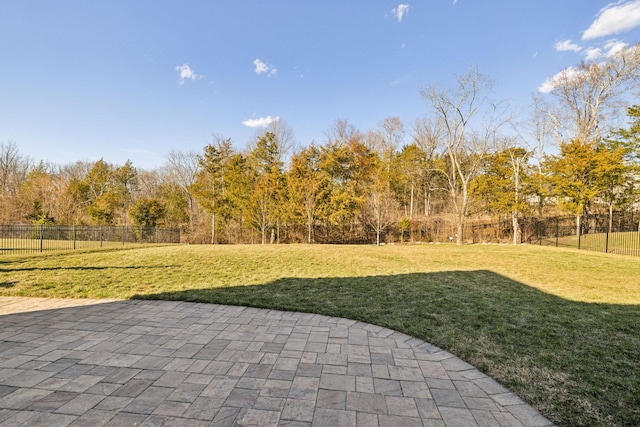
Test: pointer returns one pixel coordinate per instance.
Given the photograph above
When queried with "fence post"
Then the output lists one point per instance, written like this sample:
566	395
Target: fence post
74	237
579	228
557	231
606	243
100	231
41	235
123	231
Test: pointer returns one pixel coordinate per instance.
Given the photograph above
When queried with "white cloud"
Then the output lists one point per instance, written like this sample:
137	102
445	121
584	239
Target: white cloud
264	68
566	46
400	11
609	49
593	54
261	67
563	76
548	86
187	73
260	122
613	19
614	47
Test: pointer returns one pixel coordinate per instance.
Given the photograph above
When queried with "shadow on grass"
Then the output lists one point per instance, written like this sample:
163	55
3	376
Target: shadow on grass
577	363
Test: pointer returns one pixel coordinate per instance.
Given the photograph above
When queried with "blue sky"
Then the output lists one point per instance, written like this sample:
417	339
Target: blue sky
134	79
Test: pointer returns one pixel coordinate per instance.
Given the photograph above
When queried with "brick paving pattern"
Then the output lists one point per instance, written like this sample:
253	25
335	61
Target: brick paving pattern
152	363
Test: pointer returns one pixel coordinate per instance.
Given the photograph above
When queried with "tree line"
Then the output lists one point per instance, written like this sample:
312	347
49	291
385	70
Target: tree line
468	159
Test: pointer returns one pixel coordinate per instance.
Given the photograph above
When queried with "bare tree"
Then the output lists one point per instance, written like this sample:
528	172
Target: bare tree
14	169
380	209
392	133
427	135
150	181
181	168
341	133
583	101
584	98
470	121
545	133
387	138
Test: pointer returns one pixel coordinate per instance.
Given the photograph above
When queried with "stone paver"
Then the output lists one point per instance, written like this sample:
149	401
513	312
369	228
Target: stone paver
111	362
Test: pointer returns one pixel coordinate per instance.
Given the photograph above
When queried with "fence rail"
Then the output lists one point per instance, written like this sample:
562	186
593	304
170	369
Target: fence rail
617	234
15	239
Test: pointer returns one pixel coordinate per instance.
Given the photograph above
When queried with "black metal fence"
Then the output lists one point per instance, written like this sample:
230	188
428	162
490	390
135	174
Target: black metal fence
617	234
40	238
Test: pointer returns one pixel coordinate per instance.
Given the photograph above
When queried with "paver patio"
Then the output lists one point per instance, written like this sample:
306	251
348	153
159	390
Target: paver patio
150	363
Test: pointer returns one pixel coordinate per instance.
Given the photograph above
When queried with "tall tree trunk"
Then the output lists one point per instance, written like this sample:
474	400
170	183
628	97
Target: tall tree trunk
213	229
191	213
516	227
610	217
460	232
514	214
411	202
427	202
461	214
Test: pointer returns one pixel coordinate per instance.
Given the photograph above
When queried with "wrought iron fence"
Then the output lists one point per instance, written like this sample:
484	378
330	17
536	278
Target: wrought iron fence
40	238
618	233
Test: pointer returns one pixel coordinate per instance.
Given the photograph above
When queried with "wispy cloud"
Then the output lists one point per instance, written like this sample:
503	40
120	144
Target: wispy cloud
260	122
401	80
609	49
264	68
613	19
187	73
593	54
566	46
614	47
400	11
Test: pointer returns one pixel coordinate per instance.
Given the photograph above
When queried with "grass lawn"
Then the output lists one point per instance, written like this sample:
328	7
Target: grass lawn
559	327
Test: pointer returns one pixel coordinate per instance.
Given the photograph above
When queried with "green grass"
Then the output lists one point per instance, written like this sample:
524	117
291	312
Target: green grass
561	328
